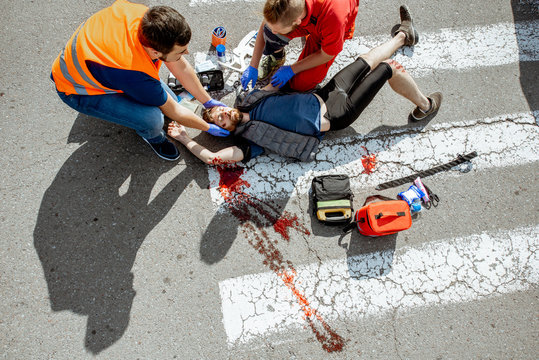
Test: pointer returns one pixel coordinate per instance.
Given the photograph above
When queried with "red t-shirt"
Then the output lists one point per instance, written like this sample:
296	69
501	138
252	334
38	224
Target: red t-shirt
331	22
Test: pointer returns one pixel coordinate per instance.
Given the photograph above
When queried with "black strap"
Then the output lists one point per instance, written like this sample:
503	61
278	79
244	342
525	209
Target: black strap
459	160
381	215
349	227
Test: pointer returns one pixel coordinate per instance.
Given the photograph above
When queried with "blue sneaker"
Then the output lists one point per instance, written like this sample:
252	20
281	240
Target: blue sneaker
165	150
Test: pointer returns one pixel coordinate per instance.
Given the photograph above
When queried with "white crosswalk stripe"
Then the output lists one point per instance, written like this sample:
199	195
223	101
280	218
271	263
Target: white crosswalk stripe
456	49
437	273
447	49
505	140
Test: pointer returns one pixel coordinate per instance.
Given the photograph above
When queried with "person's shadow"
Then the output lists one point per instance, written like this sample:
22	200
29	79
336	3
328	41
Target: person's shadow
223	228
529	70
93	219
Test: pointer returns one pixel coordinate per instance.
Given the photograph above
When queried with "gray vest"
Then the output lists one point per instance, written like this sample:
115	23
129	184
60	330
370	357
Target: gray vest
272	138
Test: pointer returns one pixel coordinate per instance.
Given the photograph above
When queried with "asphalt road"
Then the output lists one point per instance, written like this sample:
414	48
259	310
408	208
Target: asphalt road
109	252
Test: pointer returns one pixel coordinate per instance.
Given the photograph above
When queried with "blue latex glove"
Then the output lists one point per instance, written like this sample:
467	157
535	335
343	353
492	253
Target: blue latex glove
217	131
282	76
249	75
212	102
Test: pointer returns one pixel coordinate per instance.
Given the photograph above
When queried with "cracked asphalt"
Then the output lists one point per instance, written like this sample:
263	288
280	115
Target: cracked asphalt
108	252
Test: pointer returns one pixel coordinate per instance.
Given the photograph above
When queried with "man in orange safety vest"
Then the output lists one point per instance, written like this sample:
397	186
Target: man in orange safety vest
110	69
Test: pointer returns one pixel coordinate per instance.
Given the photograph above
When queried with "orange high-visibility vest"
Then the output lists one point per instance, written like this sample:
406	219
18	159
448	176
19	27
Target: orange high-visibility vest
110	38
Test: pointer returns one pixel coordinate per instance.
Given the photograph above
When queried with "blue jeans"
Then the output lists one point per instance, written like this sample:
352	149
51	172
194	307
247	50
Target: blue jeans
120	109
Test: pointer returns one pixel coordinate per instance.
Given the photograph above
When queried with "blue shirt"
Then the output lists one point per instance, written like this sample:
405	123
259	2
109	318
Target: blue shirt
298	112
138	85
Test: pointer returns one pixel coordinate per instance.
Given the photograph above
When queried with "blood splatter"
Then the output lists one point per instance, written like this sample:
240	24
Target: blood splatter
230	181
218	161
282	225
369	163
250	210
330	340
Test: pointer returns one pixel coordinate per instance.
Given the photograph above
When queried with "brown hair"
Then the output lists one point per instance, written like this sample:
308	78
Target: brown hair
235	118
162	27
284	12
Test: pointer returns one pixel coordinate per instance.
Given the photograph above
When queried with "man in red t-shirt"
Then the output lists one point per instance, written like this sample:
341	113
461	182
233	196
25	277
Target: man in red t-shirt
326	25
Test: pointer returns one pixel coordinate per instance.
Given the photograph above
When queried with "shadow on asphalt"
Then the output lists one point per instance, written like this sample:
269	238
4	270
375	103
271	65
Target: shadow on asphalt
218	237
366	257
224	226
93	219
529	70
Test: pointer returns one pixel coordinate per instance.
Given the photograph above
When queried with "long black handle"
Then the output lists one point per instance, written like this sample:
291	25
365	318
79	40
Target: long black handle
459	160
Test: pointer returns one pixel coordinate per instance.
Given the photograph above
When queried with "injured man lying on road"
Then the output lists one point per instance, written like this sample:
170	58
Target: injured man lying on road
292	124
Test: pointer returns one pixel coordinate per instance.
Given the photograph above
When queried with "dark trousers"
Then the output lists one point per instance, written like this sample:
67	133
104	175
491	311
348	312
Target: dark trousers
349	92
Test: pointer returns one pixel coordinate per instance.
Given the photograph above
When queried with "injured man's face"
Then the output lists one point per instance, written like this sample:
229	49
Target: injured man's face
224	117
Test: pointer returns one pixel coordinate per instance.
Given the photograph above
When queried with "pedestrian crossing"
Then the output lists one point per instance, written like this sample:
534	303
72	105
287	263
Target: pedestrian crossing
368	285
463	49
444	271
372	159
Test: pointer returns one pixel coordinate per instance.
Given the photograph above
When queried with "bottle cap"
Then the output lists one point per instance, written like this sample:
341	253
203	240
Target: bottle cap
220	50
415	207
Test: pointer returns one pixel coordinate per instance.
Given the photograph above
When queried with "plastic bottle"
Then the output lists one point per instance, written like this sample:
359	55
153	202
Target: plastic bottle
221	52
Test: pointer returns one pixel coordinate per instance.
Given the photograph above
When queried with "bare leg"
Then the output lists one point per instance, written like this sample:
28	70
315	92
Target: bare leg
402	83
383	52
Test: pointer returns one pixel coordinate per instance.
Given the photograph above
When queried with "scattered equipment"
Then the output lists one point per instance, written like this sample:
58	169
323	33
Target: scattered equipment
332	198
221	52
430	199
459	160
381	216
241	52
218	36
212	80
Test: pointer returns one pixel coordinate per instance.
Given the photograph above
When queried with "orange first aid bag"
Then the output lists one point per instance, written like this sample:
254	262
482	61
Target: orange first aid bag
382	216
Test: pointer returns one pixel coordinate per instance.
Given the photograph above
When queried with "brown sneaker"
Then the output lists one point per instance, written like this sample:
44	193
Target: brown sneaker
269	65
406	26
435	101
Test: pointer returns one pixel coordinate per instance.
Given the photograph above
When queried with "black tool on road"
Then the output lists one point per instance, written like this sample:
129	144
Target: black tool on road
434	199
459	160
211	80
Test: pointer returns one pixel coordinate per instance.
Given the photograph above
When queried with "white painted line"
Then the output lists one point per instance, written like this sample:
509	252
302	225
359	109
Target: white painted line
458	49
506	140
447	49
438	273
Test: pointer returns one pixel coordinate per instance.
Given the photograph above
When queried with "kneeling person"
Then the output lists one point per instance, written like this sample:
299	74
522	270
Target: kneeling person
110	69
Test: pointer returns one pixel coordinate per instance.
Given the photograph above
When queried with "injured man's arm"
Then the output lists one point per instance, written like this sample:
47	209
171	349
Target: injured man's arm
229	155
